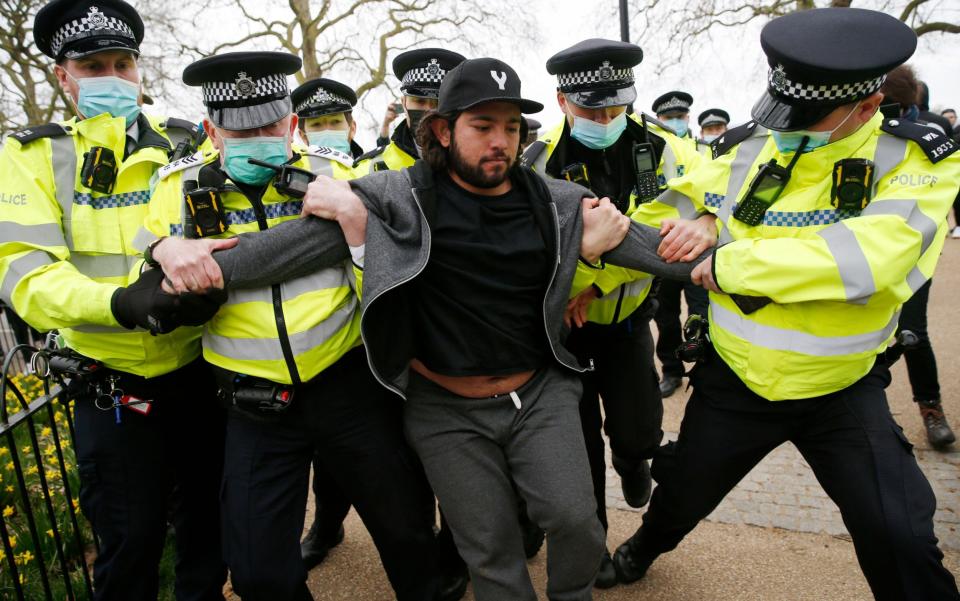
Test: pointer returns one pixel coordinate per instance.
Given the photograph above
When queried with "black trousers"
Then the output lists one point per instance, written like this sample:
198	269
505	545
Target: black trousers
921	362
856	450
669	328
135	474
332	506
625	378
356	423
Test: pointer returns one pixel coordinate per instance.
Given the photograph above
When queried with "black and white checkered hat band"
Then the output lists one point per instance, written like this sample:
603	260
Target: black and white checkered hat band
322	98
245	89
603	75
780	84
82	28
430	77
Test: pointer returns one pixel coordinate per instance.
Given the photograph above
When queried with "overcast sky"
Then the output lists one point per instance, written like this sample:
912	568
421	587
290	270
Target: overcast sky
729	72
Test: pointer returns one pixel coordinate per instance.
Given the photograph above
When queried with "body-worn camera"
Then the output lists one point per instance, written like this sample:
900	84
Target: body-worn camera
261	395
290	180
852	186
576	173
645	170
764	190
206	212
99	170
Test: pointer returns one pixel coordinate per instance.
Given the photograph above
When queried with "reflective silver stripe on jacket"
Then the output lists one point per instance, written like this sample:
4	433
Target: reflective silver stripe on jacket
102	265
889	153
143	239
321	280
64	154
631	289
683	205
668	162
320	165
20	267
268	349
747	153
795	341
40	234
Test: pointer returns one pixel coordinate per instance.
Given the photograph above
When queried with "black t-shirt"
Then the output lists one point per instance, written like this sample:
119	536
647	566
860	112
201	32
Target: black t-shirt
479	302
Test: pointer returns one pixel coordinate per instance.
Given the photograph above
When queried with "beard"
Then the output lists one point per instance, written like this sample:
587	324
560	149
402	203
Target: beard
474	174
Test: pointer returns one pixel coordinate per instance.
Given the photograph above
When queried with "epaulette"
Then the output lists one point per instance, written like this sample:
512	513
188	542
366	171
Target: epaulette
198	157
532	153
371	154
35	132
330	153
732	137
933	143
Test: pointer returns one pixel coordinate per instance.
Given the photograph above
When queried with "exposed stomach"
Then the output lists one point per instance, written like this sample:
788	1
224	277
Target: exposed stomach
476	387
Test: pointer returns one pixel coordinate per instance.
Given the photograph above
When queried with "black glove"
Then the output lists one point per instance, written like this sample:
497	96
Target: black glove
146	305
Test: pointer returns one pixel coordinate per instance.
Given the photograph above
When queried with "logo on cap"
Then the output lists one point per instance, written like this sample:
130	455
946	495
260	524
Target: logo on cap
434	67
244	84
779	77
606	71
96	18
500	78
323	97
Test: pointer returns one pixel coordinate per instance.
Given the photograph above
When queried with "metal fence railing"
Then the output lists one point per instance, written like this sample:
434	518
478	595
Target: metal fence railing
45	545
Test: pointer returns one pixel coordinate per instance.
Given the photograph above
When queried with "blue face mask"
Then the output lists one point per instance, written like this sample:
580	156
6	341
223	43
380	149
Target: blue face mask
678	125
269	149
710	137
789	141
598	135
112	95
336	139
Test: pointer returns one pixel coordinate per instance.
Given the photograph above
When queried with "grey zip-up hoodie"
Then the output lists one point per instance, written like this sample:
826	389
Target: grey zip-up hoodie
401	205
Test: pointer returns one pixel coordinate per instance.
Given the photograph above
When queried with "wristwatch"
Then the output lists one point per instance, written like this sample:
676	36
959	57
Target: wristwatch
148	252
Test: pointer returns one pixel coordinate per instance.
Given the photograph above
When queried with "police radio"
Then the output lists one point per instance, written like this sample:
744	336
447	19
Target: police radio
207	215
576	173
99	169
852	186
291	181
765	188
645	169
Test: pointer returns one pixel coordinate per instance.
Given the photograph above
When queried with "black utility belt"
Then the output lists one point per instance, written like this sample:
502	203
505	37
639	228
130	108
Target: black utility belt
253	394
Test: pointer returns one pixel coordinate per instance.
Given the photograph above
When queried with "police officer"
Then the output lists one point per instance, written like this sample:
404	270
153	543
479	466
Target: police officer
287	358
420	73
70	261
673	109
533	131
712	122
596	144
832	216
325	111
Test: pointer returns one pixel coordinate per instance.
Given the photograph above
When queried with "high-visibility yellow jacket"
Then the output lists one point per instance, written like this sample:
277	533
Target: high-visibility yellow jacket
391	157
837	279
65	249
287	333
624	290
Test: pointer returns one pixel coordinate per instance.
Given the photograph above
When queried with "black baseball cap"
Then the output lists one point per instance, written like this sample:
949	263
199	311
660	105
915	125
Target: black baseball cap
480	80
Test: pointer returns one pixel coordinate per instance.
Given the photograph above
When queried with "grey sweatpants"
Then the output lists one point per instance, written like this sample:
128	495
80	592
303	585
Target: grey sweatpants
471	448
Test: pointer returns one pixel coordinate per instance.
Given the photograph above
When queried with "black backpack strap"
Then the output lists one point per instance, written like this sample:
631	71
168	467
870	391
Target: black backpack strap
35	132
934	143
732	137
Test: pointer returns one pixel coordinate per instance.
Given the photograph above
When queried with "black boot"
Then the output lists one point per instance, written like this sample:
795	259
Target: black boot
630	561
669	385
635	480
607	576
938	430
315	546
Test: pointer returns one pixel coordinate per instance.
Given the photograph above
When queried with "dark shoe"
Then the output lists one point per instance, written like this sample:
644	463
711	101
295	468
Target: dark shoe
454	585
938	430
607	576
636	484
314	547
533	536
629	562
669	385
